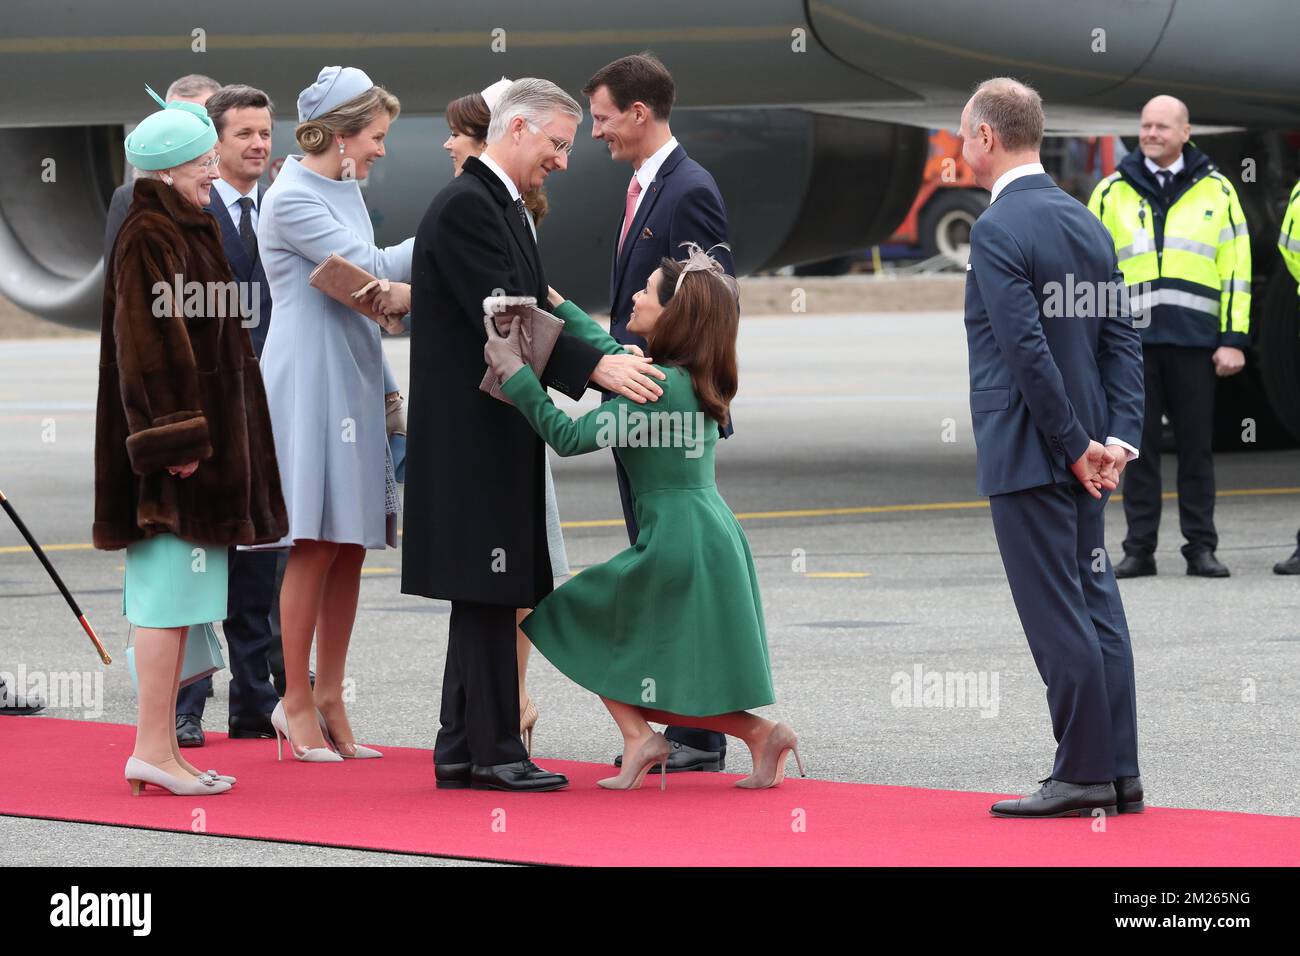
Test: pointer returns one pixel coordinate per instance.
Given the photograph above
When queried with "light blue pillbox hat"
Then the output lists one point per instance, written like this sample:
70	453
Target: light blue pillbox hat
176	134
333	87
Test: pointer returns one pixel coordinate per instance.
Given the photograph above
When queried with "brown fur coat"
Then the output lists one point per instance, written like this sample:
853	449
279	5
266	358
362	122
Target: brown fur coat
178	387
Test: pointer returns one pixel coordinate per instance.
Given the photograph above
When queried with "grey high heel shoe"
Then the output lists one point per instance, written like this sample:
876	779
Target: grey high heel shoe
769	769
361	753
655	750
310	754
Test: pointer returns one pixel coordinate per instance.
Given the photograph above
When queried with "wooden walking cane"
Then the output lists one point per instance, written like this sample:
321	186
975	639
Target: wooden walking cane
81	618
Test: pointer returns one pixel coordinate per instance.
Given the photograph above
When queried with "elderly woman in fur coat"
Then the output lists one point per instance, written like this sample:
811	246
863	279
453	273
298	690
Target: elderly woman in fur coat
184	457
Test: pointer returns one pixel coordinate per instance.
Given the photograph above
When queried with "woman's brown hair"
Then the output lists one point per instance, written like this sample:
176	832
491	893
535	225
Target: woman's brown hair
469	116
697	330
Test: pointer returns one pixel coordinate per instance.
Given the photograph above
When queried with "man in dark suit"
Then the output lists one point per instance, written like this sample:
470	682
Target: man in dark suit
1055	368
243	117
193	88
670	199
474	530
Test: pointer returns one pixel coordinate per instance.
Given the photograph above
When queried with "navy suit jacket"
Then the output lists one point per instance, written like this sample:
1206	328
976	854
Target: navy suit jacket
682	204
1048	370
245	270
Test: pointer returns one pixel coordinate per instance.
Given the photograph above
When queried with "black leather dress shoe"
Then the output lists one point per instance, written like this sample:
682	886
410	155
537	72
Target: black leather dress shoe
1290	566
251	727
684	758
1057	798
523	776
1136	566
1129	795
15	704
189	732
452	776
1203	564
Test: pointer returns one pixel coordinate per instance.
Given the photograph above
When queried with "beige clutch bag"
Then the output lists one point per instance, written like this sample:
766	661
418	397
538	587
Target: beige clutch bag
538	332
338	279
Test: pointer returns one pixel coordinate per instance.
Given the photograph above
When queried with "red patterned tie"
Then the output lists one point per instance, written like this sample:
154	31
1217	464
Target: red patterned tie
629	210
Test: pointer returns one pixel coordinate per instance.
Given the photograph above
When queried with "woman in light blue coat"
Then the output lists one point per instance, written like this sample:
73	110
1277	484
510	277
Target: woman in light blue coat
326	378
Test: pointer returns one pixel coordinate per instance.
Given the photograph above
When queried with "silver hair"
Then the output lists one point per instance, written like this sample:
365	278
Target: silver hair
537	101
193	84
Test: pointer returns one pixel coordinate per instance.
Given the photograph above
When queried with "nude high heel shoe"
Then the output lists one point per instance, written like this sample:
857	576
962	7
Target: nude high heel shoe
655	750
362	753
769	769
527	721
138	774
310	754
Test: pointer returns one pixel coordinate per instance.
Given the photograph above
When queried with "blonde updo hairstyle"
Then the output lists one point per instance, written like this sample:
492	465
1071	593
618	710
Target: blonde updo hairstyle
315	136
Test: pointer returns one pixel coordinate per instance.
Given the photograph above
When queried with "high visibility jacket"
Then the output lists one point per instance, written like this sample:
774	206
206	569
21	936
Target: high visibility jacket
1289	240
1185	255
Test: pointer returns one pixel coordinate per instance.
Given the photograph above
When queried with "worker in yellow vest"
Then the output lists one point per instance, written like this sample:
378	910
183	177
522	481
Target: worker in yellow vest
1289	244
1181	240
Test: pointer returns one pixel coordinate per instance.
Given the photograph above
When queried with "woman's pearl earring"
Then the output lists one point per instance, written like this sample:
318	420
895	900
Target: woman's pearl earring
168	180
340	147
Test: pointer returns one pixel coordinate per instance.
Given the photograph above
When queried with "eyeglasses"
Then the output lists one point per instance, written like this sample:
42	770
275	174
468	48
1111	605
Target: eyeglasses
560	145
212	162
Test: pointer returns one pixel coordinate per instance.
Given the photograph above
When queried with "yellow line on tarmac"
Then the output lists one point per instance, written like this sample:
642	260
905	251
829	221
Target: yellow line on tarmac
794	513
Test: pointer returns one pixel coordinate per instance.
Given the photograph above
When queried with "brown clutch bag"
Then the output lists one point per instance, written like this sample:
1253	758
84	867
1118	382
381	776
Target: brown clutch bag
338	279
538	332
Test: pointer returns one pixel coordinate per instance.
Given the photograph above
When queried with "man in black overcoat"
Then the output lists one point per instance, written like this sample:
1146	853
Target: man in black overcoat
474	530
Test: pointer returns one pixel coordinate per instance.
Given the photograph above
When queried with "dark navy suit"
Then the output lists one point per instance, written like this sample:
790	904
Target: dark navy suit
253	586
681	204
1048	372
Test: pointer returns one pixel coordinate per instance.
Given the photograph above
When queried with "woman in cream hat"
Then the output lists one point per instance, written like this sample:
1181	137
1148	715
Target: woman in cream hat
325	378
184	462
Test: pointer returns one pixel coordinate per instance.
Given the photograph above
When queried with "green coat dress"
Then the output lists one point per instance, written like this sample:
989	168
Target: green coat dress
675	621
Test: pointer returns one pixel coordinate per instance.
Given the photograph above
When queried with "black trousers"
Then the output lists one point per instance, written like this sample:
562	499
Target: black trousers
253	594
689	736
480	688
1052	541
1180	383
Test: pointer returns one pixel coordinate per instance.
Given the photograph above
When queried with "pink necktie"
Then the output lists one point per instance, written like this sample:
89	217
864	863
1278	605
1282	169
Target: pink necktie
629	210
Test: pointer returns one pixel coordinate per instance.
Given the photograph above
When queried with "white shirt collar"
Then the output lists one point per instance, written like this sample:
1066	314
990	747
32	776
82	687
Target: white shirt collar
486	160
231	196
1175	167
1028	169
650	168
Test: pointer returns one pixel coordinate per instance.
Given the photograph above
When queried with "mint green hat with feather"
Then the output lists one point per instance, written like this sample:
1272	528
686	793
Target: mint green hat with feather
176	134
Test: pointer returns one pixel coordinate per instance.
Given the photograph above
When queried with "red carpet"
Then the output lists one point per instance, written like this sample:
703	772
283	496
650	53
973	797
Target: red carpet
72	770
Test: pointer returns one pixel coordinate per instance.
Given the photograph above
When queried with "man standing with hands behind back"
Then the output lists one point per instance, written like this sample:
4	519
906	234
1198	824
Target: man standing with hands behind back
670	199
1044	388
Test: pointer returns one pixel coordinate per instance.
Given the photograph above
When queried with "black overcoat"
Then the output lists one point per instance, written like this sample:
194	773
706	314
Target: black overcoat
474	518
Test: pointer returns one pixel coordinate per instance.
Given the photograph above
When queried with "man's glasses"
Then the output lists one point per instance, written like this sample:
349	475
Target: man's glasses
560	145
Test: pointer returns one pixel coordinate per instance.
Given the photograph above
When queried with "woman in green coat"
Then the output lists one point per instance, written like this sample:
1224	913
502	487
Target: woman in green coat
671	629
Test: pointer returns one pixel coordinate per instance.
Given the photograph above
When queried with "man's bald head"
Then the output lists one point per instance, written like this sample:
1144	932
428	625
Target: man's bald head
1165	129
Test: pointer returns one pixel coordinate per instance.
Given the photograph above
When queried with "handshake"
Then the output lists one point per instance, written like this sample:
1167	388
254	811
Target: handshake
391	300
1100	467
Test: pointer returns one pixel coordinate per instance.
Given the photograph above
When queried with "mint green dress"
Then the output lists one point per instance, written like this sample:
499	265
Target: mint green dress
167	585
675	621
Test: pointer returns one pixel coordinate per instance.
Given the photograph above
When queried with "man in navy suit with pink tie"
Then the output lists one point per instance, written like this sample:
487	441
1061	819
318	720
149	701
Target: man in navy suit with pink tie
1056	400
670	199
